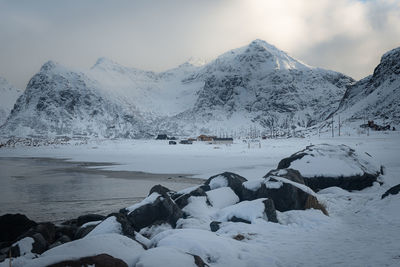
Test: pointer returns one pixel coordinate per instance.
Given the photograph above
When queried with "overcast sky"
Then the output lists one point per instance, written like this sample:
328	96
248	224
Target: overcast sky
343	35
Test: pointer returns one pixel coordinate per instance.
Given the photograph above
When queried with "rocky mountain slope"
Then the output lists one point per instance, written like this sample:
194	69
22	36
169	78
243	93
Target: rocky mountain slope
375	97
256	85
8	96
259	85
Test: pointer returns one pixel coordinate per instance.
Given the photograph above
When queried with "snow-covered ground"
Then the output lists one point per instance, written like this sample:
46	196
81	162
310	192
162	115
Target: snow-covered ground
203	160
361	230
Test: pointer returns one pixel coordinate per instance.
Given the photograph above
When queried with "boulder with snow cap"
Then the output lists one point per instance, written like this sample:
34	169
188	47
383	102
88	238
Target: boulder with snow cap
162	190
248	211
101	260
89	218
326	165
183	199
154	208
232	180
169	256
392	191
286	188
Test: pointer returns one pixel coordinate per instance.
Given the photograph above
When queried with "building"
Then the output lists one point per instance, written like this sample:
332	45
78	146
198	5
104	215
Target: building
206	138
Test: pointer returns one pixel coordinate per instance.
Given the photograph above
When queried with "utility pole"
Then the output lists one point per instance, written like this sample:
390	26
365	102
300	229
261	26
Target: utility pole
332	127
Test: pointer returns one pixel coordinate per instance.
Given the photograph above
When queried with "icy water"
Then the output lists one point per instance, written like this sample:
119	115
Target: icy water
48	189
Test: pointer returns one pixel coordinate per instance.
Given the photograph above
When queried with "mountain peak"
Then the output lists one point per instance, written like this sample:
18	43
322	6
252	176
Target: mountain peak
49	65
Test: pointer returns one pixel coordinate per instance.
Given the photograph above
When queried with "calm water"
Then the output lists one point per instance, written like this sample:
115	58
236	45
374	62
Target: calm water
56	190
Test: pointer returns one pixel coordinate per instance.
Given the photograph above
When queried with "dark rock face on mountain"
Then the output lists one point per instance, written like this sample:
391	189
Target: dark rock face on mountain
8	95
376	96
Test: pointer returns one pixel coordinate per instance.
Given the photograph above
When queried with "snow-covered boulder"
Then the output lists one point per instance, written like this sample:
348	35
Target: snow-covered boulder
168	257
286	188
98	260
229	179
215	250
222	197
89	218
153	209
181	198
115	245
392	191
115	223
249	211
327	165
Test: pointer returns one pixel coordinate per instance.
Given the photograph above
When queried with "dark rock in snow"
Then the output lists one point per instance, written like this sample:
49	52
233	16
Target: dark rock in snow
40	245
182	200
101	260
66	230
83	231
89	218
161	209
14	225
392	191
366	175
238	219
285	193
214	226
127	228
162	190
234	181
270	211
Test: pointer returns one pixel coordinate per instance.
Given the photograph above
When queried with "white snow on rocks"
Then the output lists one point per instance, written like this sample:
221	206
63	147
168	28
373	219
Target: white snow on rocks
214	249
247	210
148	200
108	226
333	161
222	197
166	257
25	245
219	181
115	245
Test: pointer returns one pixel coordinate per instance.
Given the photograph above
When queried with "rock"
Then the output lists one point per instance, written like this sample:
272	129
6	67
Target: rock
392	191
127	228
152	209
182	200
162	190
325	165
101	260
66	230
270	211
13	226
232	180
285	188
83	231
89	218
238	219
40	245
214	226
47	230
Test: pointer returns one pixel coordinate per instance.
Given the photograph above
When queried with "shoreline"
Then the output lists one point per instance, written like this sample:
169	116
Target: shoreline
55	189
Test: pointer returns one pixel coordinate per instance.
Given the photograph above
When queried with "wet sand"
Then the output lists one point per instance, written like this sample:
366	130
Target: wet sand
48	189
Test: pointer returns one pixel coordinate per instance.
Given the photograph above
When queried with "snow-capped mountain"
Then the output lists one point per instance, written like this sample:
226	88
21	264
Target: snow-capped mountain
8	96
260	85
256	85
377	96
